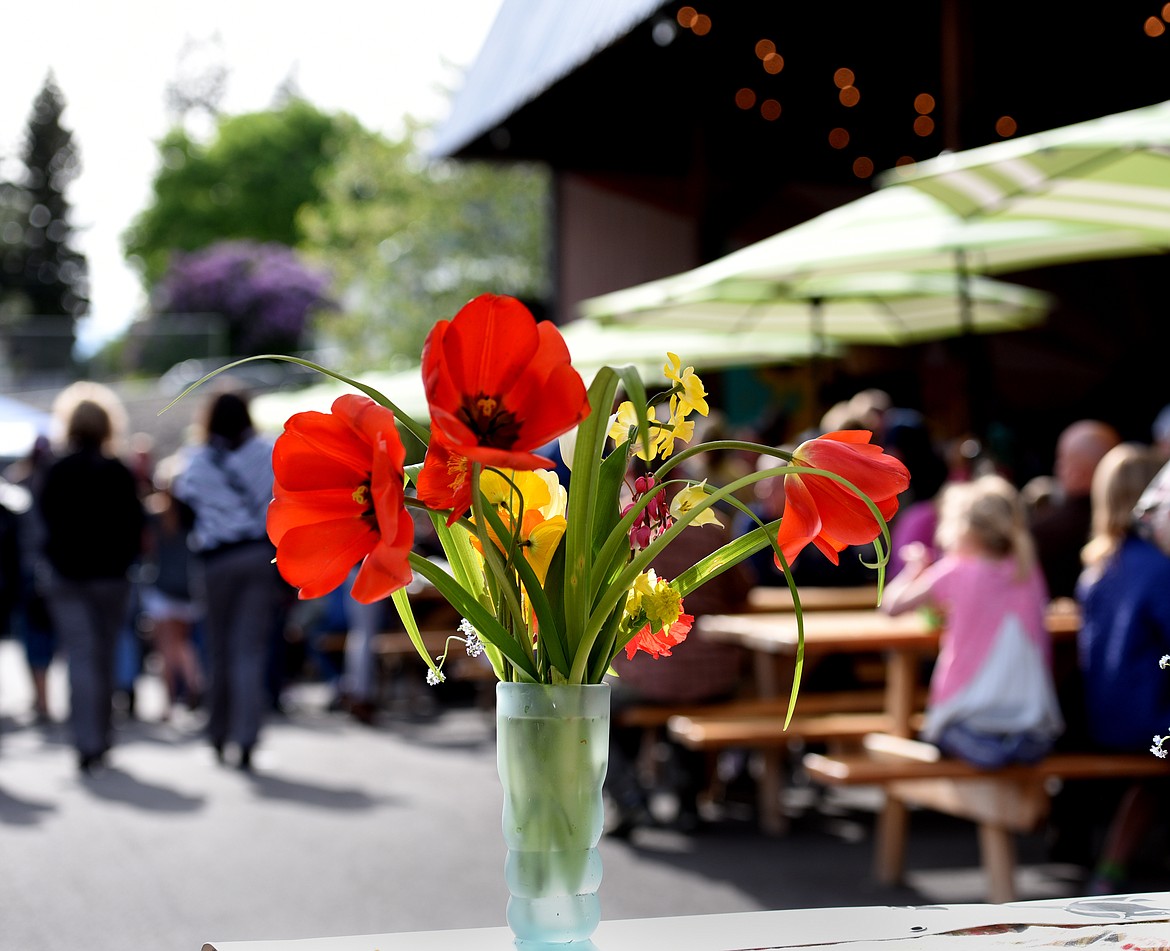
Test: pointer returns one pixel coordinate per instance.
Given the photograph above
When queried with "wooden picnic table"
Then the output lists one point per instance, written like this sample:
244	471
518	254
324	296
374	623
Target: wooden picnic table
779	598
772	638
904	640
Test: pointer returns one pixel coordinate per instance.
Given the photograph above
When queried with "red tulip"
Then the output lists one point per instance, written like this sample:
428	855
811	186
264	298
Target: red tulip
822	511
499	384
445	479
339	500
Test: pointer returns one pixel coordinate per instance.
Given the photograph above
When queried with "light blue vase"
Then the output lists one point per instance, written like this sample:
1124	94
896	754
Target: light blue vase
552	750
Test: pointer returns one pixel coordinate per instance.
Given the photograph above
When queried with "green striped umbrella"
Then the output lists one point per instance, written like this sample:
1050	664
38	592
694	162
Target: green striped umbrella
1111	172
874	307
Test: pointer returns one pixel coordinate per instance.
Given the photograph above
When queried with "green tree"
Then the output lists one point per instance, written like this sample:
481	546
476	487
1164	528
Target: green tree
46	278
409	242
249	182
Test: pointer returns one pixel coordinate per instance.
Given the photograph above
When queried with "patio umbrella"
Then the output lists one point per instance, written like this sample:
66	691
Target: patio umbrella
892	308
894	229
1111	172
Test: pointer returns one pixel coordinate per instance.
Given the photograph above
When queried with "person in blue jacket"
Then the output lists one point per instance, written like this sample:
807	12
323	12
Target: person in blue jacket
1125	631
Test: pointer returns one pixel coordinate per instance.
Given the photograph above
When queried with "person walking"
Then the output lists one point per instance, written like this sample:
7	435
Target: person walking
227	483
93	523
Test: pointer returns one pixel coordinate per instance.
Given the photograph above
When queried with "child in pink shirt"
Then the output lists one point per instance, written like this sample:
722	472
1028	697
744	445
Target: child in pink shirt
992	700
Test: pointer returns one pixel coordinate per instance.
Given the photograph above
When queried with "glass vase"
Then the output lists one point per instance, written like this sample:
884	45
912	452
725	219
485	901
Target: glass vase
552	750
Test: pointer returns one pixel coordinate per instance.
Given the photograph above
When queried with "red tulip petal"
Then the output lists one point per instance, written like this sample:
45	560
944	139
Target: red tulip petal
291	510
445	480
800	522
387	567
317	558
491	342
551	405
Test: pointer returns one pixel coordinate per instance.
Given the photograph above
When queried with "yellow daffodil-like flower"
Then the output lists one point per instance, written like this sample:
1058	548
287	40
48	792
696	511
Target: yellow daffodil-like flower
654	599
536	543
542	522
678	428
690	393
558	497
687	499
625	422
537	489
540	539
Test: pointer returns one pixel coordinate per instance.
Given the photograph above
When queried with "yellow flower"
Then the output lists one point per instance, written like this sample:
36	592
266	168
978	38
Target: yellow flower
537	541
678	428
625	421
689	395
538	489
687	499
654	598
541	538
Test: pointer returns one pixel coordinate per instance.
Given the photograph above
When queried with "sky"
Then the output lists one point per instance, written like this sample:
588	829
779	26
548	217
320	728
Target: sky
376	59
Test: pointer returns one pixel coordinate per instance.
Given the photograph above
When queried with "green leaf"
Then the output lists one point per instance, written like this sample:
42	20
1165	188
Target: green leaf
725	557
490	630
583	488
406	614
416	429
609	484
551	637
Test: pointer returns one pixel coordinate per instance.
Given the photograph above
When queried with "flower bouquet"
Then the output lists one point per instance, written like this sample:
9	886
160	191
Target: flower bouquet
553	580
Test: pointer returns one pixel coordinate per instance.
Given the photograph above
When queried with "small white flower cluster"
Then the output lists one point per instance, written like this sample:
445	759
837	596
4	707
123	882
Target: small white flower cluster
470	638
471	641
1159	747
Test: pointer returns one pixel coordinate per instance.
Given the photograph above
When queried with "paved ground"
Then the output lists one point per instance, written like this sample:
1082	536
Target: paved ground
345	829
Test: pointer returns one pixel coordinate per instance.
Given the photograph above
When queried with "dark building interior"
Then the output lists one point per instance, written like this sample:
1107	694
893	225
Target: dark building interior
704	121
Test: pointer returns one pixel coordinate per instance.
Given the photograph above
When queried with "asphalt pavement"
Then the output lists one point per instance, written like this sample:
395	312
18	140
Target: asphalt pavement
350	829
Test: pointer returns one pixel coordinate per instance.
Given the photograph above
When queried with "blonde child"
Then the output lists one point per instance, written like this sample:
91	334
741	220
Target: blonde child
992	700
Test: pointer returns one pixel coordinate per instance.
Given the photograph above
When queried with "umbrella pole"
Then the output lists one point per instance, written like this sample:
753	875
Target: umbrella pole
970	351
815	364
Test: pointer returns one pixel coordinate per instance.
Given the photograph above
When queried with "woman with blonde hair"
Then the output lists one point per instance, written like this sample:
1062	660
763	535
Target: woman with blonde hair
1125	630
93	524
992	699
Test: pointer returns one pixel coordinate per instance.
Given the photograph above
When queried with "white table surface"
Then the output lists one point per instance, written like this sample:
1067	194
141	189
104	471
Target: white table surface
879	928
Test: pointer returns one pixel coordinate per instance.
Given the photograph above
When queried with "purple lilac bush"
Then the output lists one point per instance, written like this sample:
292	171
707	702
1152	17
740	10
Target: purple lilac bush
263	290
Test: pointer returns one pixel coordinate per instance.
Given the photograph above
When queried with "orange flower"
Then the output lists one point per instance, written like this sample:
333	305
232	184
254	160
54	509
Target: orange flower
499	384
822	511
659	644
339	500
445	479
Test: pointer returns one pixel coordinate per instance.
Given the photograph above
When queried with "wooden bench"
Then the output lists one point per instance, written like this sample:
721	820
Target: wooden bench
757	724
1001	802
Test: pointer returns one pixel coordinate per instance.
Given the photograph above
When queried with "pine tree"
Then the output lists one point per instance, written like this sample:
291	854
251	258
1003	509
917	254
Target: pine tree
54	278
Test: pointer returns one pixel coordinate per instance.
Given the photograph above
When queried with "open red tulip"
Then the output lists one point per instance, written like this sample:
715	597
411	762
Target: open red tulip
500	385
339	500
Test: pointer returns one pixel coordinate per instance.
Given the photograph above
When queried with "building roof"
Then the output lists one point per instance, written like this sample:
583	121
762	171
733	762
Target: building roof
532	45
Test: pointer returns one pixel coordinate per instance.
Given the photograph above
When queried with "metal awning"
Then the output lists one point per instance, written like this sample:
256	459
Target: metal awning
531	46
